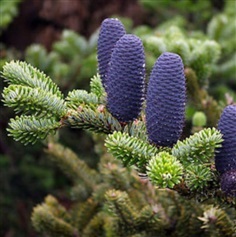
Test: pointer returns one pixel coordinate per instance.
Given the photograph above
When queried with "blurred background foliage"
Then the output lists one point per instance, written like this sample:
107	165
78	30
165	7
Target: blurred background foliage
60	39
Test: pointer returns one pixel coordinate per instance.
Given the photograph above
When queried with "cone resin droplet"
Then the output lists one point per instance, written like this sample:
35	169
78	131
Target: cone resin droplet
110	32
125	79
166	98
225	158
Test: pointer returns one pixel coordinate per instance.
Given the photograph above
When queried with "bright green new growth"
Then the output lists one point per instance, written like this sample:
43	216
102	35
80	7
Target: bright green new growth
164	170
130	150
30	129
198	148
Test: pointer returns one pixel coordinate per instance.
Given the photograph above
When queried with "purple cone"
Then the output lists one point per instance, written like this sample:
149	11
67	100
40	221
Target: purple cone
228	183
125	79
166	98
110	32
225	158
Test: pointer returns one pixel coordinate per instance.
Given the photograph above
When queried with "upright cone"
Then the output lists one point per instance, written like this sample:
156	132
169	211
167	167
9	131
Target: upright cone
110	32
125	79
166	98
225	158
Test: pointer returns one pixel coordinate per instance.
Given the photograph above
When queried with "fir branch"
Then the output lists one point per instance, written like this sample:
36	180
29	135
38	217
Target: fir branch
45	219
137	128
120	206
101	225
33	101
29	129
130	150
198	176
115	175
198	148
79	192
21	73
164	170
73	167
217	222
76	98
96	86
96	120
84	213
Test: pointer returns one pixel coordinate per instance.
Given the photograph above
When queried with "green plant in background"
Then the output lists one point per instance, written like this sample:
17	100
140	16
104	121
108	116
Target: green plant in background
222	28
71	61
8	10
199	12
115	207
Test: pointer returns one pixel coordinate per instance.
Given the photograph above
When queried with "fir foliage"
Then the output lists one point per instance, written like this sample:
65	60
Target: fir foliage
137	129
96	120
216	222
71	60
199	98
198	148
21	73
51	218
30	129
96	86
76	98
198	176
71	165
120	204
35	101
164	170
130	150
